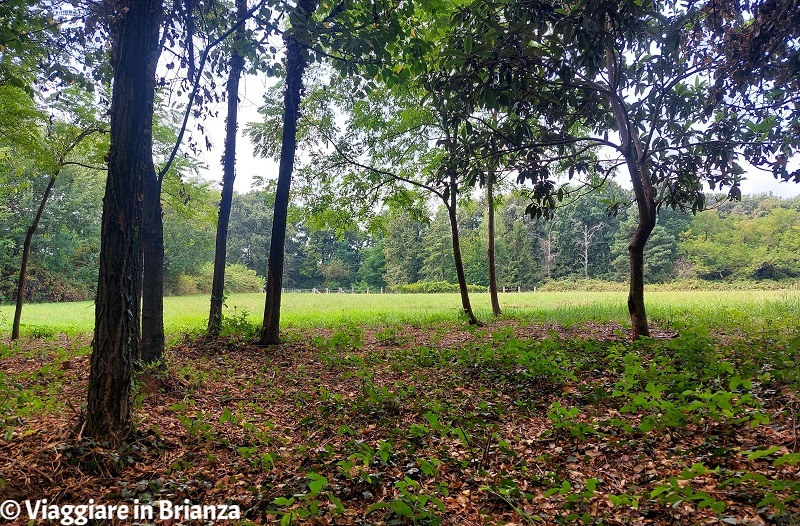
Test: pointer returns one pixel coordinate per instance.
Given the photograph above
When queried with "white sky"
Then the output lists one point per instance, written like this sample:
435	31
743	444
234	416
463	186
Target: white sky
248	165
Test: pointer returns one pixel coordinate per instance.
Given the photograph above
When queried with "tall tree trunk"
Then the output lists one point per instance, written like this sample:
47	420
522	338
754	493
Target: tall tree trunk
645	201
151	348
466	306
228	176
134	53
26	252
295	67
492	270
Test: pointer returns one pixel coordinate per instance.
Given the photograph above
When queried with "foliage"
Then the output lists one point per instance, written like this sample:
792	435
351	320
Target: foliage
238	279
519	422
432	287
738	246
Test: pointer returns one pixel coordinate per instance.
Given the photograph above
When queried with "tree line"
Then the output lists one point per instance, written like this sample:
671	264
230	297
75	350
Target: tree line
426	100
753	239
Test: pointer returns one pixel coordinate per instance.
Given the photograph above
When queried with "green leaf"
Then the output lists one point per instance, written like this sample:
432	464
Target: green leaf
755	455
402	509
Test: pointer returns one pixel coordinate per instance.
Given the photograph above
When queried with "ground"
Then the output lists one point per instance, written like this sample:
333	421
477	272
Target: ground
432	423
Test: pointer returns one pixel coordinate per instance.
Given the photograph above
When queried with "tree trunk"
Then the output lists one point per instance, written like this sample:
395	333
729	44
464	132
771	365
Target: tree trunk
636	307
645	201
228	176
295	67
492	270
586	242
466	306
26	251
134	50
152	343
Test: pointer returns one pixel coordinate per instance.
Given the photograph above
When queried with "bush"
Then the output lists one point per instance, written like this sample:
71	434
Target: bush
700	284
432	287
596	285
238	279
43	285
186	285
583	285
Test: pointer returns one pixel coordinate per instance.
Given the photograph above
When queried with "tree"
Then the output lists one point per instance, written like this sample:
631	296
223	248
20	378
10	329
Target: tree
759	73
373	264
403	232
365	47
60	141
189	229
296	38
660	255
564	74
517	250
229	168
250	227
586	236
759	244
134	54
382	146
152	315
437	250
491	247
27	35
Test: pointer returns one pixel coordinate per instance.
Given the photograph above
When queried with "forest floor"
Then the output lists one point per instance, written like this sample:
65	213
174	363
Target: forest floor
427	424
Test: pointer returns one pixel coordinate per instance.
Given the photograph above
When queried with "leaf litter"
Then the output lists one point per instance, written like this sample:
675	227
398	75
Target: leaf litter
441	424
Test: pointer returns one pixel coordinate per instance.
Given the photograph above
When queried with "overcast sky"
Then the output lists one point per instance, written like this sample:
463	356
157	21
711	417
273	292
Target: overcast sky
248	165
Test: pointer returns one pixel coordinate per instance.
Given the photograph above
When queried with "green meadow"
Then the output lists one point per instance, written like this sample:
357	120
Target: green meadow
750	310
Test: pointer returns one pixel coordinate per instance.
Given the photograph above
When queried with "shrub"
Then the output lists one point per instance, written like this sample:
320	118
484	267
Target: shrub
583	285
238	279
432	287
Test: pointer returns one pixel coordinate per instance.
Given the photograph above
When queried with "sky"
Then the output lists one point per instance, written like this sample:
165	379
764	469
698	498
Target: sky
248	165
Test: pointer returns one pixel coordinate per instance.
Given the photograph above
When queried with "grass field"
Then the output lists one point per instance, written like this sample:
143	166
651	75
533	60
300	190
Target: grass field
753	309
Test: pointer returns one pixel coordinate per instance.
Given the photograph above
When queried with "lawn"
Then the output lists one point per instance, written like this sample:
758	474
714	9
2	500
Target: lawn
190	313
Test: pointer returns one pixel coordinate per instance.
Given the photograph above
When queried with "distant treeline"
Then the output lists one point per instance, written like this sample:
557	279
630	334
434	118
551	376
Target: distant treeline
757	238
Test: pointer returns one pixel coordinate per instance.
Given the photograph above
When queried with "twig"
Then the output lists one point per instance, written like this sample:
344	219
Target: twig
80	433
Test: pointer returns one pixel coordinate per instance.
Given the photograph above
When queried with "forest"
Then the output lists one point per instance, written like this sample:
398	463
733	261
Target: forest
581	317
751	243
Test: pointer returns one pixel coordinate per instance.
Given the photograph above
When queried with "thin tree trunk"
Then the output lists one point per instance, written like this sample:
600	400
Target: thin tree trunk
228	176
151	349
492	270
586	242
645	202
26	251
295	67
636	307
466	306
135	50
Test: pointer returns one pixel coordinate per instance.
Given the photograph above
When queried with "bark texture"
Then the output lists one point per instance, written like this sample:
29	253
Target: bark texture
228	177
152	341
134	52
295	67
